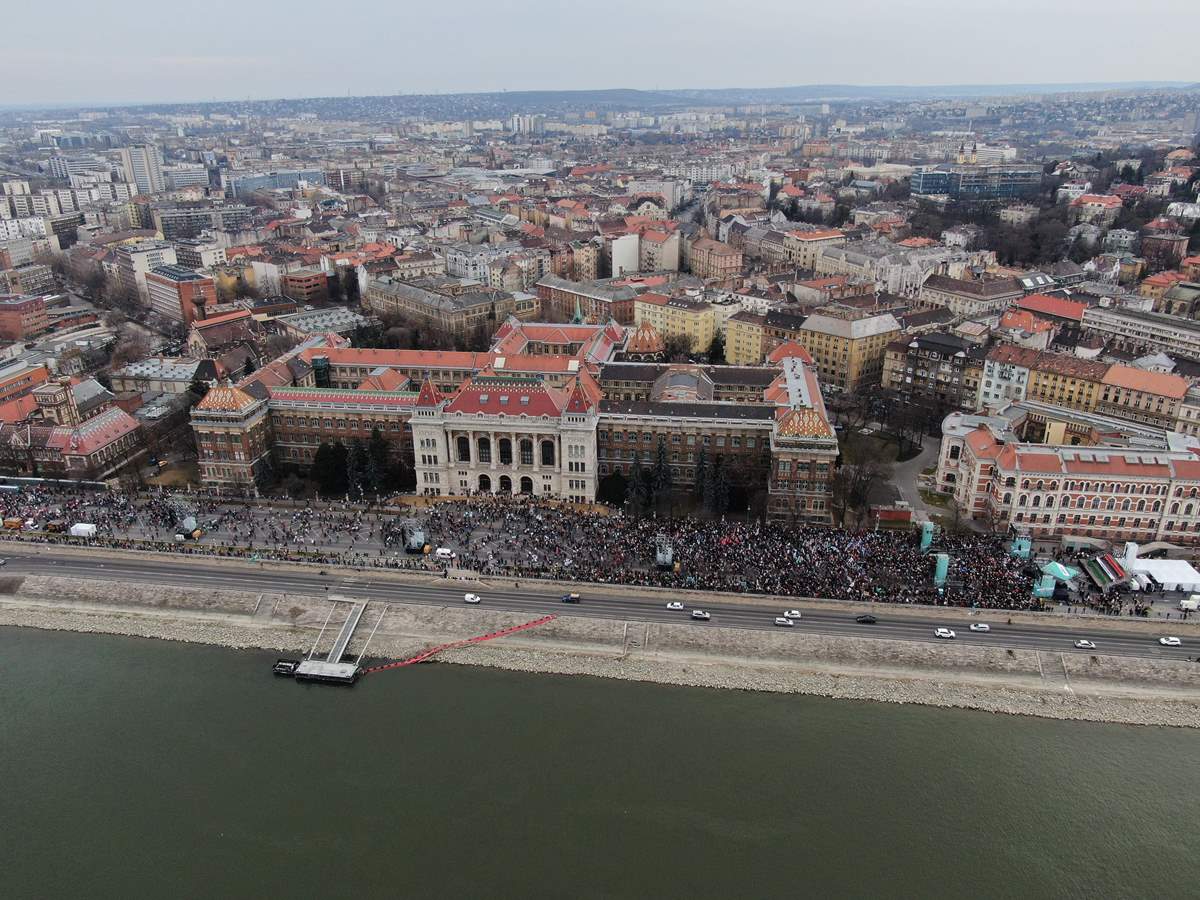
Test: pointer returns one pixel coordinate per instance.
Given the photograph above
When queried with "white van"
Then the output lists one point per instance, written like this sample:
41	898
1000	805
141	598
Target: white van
1191	604
444	553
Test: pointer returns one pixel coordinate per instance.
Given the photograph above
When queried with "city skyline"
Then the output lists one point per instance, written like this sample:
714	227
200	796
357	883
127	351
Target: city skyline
573	50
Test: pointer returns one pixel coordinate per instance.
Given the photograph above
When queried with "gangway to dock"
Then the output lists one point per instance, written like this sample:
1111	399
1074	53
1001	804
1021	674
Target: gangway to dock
332	668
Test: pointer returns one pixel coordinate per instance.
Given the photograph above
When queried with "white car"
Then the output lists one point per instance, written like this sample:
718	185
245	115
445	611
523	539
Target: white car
1084	645
675	606
1170	642
980	626
944	633
792	614
784	622
701	615
470	598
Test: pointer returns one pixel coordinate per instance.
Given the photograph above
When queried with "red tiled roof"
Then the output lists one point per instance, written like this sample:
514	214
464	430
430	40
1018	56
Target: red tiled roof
1060	307
488	394
1158	383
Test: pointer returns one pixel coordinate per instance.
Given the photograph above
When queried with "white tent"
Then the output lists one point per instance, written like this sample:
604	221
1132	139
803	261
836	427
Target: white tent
1172	574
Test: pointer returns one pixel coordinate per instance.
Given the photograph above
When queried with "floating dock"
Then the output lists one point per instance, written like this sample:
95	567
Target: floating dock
331	669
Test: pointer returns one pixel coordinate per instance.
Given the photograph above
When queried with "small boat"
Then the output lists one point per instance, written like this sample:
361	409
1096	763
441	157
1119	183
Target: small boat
285	667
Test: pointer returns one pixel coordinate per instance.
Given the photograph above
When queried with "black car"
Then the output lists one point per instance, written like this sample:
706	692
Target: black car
865	619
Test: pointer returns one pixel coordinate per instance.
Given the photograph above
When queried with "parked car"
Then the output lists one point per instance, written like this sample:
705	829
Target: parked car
784	622
944	633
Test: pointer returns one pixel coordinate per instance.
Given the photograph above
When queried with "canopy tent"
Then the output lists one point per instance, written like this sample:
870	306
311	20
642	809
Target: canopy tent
1060	572
1171	574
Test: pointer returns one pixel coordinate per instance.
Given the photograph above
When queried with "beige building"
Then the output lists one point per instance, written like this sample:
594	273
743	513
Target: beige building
678	317
744	334
715	261
848	345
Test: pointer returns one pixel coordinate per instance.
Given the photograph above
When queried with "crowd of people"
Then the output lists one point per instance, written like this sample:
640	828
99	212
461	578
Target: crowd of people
524	538
512	538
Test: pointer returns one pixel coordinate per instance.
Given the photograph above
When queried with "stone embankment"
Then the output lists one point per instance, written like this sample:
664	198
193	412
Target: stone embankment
1025	682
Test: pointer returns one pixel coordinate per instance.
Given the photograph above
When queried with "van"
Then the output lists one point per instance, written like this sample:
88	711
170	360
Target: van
1191	604
444	553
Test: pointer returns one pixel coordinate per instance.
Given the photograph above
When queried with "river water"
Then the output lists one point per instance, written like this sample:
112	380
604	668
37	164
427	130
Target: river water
135	768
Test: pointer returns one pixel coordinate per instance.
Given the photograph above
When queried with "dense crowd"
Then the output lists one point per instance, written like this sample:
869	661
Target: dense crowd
518	538
503	537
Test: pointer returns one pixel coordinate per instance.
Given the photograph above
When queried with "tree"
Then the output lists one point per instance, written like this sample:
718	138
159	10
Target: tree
660	474
855	480
378	454
716	350
350	285
677	347
356	469
197	391
614	488
335	288
640	492
329	468
701	474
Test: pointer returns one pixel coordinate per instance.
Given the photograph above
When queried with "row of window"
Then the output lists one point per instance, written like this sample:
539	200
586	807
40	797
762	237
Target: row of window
647	437
483	450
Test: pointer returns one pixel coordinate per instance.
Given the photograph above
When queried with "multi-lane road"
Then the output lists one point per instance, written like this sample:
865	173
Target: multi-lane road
540	599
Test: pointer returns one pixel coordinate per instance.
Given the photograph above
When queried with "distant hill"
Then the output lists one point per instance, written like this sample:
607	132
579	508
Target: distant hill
498	103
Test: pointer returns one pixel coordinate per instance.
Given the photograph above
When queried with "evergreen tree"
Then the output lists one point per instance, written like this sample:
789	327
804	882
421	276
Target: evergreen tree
377	459
350	285
709	494
660	475
327	469
716	350
721	491
640	491
356	469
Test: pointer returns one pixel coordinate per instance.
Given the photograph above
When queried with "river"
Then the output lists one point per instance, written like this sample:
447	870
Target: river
137	768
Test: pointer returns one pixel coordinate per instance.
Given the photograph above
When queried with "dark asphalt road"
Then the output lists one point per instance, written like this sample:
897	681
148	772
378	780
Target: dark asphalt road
368	585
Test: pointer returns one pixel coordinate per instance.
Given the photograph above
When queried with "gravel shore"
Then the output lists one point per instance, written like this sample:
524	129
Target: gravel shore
1140	705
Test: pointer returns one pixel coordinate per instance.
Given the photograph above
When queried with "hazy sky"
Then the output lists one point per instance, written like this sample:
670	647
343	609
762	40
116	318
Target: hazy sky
164	50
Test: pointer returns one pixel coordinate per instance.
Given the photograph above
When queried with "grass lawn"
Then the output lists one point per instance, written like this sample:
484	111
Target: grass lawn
933	499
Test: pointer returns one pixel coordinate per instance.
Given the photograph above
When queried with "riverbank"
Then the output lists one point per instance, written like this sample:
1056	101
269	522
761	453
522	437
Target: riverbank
1019	682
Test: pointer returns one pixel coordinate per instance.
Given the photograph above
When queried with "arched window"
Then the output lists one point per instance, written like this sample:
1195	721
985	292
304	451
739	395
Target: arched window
485	484
1037	501
1007	498
1187	510
505	484
485	450
1174	509
1124	506
1157	506
1021	500
526	452
506	456
464	448
1066	503
526	485
547	453
1141	507
1112	504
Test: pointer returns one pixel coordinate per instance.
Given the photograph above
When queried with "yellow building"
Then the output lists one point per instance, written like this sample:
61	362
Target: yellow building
848	346
677	317
1066	381
744	334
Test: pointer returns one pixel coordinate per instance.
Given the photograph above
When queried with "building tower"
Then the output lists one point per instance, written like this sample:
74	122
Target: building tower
56	401
143	168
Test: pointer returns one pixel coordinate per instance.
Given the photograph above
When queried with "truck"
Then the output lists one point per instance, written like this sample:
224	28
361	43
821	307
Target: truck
83	530
1191	604
14	523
